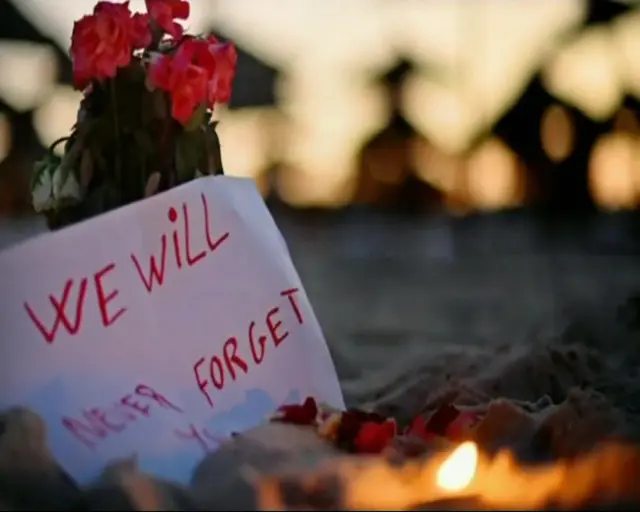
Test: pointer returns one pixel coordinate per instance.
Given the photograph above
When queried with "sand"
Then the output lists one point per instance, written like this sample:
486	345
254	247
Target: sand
422	313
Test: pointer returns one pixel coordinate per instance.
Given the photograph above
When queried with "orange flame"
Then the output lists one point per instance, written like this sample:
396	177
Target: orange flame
458	470
609	474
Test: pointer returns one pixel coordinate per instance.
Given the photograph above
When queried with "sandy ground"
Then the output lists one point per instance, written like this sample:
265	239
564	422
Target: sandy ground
427	311
411	306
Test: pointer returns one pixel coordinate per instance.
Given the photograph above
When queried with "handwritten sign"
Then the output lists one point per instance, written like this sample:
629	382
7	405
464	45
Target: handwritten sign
159	329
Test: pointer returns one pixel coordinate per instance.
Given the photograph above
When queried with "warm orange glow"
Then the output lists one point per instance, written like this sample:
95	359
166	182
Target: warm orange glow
57	115
493	178
496	483
612	171
458	470
626	121
557	133
438	167
246	136
5	137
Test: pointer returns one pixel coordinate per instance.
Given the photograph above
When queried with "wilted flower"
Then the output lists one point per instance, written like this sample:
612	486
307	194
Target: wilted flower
65	186
42	192
53	187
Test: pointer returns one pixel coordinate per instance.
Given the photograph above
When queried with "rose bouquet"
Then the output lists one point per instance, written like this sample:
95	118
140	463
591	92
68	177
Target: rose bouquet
145	122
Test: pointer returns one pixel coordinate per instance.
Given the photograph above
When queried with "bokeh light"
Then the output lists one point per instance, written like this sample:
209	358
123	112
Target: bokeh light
557	133
613	171
56	117
471	64
585	73
5	136
28	73
493	177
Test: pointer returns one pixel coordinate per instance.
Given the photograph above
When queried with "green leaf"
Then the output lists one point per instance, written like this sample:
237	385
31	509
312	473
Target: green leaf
186	157
214	156
144	142
197	119
40	167
160	104
86	169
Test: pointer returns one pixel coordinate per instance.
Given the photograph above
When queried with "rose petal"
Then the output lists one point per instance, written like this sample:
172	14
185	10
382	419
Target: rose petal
373	438
304	414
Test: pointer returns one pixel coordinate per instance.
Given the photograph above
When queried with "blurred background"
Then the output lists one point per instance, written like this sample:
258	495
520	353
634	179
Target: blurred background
415	105
451	165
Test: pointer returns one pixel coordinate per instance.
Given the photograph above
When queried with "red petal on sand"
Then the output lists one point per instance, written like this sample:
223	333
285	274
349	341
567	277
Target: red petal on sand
296	414
440	420
461	427
448	422
374	437
350	424
418	428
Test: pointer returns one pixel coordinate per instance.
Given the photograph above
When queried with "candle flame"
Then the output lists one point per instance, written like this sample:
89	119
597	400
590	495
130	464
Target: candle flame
606	474
458	470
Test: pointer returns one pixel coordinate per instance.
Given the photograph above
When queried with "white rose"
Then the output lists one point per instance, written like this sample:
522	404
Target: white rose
67	189
42	193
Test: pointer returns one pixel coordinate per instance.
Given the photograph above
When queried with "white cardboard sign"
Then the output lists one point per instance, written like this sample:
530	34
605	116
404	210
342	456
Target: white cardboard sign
159	329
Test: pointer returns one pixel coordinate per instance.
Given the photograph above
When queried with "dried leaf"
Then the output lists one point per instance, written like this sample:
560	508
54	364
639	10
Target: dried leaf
197	119
153	184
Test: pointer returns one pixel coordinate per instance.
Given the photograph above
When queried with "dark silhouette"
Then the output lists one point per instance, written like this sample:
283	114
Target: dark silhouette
15	169
605	11
387	177
15	27
255	81
555	187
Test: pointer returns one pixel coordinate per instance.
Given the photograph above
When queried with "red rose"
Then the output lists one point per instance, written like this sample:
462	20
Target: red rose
220	84
219	60
373	438
103	42
140	32
185	83
197	73
304	414
164	12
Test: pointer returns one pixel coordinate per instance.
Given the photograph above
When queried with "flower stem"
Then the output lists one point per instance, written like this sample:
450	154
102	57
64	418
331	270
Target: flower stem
116	132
